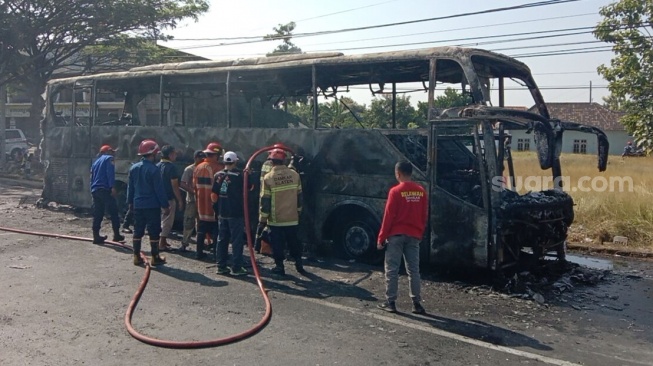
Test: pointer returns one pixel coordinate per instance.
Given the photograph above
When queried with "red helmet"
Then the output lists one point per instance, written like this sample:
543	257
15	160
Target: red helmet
277	154
148	147
213	148
280	146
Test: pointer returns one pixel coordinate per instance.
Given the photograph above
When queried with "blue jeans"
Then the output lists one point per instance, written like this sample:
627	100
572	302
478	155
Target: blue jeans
149	218
231	229
407	247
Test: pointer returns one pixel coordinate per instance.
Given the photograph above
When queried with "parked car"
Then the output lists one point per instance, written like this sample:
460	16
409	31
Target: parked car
15	143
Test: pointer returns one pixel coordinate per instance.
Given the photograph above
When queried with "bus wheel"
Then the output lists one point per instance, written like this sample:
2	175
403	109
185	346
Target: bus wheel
357	239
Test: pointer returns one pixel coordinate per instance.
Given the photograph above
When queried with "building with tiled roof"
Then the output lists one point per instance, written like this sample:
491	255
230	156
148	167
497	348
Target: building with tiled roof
591	114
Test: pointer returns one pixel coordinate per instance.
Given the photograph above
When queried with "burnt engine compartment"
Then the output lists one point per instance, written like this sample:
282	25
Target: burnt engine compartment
536	220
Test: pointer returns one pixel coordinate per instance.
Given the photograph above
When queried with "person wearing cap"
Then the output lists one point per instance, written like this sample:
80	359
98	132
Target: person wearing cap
280	206
229	206
103	178
190	213
147	197
203	185
171	184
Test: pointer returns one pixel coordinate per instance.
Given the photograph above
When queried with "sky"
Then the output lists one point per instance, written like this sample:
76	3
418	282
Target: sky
562	78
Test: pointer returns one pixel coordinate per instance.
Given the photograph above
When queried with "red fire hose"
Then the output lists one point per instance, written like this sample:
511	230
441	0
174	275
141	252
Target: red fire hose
146	276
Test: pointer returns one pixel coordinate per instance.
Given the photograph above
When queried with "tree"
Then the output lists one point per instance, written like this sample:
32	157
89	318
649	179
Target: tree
613	103
379	115
627	25
451	98
338	113
284	33
40	37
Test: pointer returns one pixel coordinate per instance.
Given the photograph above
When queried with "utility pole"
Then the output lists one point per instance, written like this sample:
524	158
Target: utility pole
3	126
590	91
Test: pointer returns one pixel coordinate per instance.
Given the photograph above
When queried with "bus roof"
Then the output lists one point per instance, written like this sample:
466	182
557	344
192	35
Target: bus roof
301	60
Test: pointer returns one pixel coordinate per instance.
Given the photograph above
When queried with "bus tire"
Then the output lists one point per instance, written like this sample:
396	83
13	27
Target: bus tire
357	239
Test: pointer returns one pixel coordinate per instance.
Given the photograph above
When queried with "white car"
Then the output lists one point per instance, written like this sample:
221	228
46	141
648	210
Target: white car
15	143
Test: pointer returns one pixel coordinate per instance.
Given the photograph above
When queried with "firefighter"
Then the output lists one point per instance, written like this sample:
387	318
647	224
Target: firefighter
103	178
203	184
147	197
265	169
280	207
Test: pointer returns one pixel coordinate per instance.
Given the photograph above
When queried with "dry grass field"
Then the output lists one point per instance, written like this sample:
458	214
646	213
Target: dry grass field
617	202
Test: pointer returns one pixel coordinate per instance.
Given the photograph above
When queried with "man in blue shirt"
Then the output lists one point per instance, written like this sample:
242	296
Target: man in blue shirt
146	197
103	177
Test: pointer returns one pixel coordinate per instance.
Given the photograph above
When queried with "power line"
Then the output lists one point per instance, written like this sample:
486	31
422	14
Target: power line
345	11
451	30
579	30
565	73
453	16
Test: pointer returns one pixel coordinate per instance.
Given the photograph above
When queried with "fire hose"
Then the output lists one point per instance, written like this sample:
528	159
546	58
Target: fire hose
146	276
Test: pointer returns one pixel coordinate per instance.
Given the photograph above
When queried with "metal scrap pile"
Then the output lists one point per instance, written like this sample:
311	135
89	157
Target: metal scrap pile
549	281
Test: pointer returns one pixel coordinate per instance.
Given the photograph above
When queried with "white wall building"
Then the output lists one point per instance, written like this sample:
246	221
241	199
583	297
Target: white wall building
592	114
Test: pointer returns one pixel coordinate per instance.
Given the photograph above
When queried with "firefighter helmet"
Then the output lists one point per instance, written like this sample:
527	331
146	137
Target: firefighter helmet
148	147
277	154
213	148
280	146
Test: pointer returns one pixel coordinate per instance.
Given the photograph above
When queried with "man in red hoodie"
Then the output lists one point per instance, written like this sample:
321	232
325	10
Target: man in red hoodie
404	220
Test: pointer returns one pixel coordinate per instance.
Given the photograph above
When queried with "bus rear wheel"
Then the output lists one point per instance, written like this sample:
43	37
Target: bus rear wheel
357	240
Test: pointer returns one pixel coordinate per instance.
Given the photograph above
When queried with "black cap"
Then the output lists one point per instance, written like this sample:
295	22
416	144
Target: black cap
199	154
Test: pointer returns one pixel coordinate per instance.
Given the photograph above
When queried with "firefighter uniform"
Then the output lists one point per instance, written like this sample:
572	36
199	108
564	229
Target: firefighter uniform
281	205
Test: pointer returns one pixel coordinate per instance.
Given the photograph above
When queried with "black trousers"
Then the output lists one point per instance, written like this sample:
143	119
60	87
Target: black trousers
280	235
104	201
150	219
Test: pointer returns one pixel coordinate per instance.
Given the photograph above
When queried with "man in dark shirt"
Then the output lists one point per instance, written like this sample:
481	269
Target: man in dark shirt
146	196
170	179
228	186
103	178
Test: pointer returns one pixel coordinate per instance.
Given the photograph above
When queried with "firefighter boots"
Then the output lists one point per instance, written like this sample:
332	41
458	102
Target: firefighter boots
117	237
99	239
137	260
157	260
278	268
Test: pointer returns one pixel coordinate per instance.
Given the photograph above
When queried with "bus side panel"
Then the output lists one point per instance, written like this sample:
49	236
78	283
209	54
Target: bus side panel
459	234
57	155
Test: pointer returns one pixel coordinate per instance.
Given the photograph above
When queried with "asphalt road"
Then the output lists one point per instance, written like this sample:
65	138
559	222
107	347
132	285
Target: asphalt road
63	303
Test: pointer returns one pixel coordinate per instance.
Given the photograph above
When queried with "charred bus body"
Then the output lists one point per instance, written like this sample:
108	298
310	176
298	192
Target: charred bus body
459	155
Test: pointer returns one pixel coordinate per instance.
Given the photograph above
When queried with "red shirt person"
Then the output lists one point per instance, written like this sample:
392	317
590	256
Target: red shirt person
404	221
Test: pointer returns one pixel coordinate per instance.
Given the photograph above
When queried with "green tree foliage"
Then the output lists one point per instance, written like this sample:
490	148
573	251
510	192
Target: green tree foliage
342	112
613	103
40	37
627	25
379	115
283	32
451	98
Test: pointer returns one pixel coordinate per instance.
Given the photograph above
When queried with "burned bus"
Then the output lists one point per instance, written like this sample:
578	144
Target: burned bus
245	104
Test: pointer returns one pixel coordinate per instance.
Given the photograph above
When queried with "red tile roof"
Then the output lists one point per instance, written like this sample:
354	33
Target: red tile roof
592	114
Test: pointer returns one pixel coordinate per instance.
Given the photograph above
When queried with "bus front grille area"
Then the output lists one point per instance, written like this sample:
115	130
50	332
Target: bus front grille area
534	224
